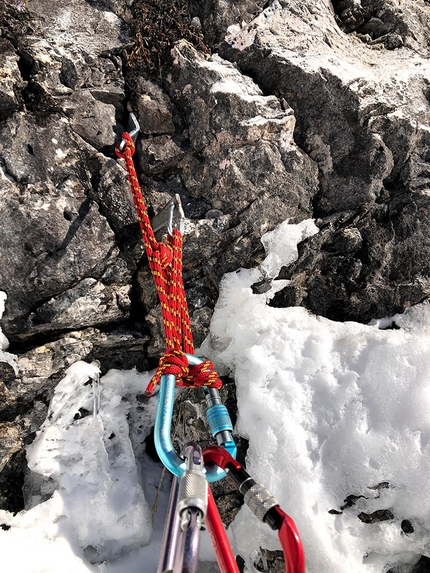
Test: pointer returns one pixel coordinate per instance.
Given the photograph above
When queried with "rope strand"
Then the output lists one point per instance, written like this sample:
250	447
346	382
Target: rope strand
165	261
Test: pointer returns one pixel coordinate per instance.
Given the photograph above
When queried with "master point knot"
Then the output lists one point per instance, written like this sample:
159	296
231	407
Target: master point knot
176	362
173	362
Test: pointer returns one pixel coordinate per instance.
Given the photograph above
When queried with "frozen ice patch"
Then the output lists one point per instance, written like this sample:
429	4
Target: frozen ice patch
98	507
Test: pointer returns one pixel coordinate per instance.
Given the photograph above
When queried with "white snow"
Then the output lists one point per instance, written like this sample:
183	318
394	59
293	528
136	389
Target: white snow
98	507
330	409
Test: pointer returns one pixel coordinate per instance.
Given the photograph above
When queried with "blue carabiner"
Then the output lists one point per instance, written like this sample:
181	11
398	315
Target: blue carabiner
218	418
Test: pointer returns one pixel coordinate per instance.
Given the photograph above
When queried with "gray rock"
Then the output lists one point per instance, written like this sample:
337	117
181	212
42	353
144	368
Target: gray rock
47	233
78	23
154	109
10	79
93	120
7	374
11	463
89	303
364	122
235	134
55	235
11	442
216	16
158	155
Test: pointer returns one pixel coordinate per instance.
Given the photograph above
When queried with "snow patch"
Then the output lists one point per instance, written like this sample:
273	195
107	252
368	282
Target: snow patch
331	410
98	509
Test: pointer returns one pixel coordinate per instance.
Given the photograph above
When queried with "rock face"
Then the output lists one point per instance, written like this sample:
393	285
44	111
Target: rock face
357	77
304	109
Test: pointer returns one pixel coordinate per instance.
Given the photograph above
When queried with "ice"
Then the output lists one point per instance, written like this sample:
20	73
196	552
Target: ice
96	393
330	409
98	506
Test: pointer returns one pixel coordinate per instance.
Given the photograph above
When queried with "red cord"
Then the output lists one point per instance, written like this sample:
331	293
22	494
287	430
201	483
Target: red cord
221	544
165	261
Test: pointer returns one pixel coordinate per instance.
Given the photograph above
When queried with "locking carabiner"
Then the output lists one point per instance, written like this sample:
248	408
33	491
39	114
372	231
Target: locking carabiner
263	505
187	511
218	418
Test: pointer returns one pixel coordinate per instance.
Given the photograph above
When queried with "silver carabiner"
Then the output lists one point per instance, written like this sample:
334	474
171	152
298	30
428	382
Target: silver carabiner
171	215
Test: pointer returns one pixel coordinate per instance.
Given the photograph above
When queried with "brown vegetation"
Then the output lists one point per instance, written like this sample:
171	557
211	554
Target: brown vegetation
158	25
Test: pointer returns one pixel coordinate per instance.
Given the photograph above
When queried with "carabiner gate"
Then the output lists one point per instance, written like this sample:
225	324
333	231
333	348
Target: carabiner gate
218	418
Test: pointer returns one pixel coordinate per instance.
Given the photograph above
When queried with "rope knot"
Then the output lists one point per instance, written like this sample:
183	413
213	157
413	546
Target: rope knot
164	254
203	374
173	362
176	362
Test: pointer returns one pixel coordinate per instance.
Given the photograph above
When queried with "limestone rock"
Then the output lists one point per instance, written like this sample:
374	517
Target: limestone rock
54	234
158	155
48	226
77	22
216	16
93	120
10	79
154	109
11	442
89	303
11	458
363	116
244	129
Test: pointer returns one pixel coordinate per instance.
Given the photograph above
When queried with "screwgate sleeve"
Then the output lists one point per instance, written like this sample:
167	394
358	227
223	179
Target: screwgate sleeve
218	419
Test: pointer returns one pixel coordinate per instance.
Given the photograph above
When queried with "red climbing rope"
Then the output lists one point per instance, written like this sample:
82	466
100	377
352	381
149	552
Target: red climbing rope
165	261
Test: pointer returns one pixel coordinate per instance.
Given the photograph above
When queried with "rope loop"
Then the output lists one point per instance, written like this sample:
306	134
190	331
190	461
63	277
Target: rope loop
128	145
173	362
165	261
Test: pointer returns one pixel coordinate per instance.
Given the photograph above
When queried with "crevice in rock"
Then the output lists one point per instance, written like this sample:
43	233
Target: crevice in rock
374	22
12	482
422	566
25	64
8	173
